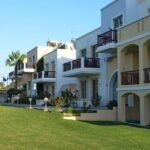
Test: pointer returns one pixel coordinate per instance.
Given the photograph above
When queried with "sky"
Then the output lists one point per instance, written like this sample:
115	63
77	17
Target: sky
25	24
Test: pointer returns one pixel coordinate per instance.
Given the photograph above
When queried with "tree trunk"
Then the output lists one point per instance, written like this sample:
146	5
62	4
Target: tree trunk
16	76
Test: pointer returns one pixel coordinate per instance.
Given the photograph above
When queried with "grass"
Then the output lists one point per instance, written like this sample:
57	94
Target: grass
25	129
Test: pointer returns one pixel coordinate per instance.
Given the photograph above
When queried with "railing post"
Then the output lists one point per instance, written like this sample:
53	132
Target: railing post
82	62
43	74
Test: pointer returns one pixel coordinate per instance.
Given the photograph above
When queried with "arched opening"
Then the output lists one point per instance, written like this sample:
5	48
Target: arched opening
146	61
147	109
113	87
130	65
131	108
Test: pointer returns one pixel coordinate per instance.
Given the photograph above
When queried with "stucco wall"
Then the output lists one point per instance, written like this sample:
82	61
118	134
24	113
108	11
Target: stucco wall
101	115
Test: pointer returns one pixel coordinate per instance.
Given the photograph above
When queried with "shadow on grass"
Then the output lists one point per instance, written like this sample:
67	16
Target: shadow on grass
115	123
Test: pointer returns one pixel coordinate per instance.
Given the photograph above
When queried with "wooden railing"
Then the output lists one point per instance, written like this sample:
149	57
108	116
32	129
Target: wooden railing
45	74
26	65
91	62
76	63
35	76
67	66
147	75
107	37
81	62
39	75
11	74
49	74
130	77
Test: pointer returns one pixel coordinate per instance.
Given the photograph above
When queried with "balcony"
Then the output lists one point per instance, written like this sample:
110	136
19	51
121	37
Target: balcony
147	75
130	77
11	75
44	77
81	67
26	68
107	42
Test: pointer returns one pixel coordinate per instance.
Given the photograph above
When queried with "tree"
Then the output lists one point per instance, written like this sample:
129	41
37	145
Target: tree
14	59
2	85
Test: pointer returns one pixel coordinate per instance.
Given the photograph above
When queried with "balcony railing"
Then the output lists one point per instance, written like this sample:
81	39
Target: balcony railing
67	66
25	65
49	74
107	37
76	63
44	74
11	74
91	62
35	76
81	62
147	75
130	77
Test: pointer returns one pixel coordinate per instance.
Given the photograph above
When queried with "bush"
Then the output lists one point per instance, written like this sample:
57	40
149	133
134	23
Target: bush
57	101
70	110
111	104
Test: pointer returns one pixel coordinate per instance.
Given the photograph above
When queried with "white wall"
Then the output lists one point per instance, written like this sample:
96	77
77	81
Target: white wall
63	56
43	50
86	41
60	56
111	11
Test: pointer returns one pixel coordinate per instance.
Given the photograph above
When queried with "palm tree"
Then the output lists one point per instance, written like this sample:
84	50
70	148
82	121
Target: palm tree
14	59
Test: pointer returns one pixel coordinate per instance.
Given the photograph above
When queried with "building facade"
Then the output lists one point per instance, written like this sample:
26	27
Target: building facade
124	46
85	68
49	79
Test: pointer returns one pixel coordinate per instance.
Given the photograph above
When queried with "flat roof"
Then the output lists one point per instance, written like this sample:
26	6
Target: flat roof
88	33
109	4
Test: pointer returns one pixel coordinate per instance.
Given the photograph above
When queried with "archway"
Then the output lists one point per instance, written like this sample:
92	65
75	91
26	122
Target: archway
147	109
131	108
113	84
130	65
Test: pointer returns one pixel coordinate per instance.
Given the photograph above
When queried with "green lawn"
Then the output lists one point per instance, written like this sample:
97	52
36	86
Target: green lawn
25	129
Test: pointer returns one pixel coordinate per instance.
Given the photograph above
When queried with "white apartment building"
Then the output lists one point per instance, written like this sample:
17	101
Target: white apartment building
50	78
85	68
28	67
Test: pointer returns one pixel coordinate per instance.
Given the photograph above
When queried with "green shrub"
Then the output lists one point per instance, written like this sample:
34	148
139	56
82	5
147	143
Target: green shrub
111	104
70	110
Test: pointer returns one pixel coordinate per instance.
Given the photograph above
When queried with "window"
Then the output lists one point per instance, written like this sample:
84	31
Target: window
95	88
33	59
30	59
46	67
53	90
118	21
52	65
83	53
83	88
29	85
46	88
94	54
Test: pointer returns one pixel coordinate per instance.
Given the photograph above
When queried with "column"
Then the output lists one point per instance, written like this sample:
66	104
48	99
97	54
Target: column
141	65
121	108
